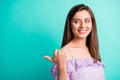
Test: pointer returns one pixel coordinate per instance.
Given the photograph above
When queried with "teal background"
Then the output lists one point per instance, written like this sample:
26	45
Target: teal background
30	29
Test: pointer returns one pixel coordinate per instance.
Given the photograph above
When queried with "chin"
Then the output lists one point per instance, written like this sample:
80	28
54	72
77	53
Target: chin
81	37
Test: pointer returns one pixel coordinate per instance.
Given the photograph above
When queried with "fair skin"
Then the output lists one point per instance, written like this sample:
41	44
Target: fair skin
81	27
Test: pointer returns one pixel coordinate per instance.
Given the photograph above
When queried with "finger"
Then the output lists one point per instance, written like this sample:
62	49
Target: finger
49	58
55	52
59	52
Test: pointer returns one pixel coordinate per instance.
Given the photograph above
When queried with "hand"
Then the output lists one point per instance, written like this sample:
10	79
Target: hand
52	59
60	58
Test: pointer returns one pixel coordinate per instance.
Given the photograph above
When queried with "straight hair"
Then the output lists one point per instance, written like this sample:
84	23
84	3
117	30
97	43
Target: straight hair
92	38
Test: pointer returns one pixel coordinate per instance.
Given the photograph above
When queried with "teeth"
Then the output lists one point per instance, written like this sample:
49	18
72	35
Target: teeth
82	31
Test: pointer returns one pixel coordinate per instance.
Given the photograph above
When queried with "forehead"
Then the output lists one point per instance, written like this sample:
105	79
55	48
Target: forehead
82	14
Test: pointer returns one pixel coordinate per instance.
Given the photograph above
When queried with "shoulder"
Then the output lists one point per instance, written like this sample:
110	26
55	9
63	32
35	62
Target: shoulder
65	49
66	46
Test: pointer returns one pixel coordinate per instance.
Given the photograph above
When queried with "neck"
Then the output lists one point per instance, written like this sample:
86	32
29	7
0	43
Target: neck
78	42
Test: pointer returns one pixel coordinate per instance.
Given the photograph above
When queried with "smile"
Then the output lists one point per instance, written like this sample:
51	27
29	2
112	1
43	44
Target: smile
82	31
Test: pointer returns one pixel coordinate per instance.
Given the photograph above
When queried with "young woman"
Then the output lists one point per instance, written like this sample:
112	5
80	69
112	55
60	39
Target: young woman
79	57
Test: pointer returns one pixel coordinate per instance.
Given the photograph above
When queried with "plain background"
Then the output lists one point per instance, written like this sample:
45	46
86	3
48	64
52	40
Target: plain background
30	29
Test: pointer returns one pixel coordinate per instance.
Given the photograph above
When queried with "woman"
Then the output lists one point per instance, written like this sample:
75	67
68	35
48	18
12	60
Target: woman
79	57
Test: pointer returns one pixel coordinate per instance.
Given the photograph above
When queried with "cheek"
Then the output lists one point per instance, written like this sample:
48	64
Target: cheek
74	30
90	30
90	26
75	26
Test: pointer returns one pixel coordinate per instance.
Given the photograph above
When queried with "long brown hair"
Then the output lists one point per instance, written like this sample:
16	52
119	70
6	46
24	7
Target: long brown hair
92	39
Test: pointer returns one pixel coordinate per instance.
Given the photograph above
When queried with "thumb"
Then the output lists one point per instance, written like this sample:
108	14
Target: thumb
48	58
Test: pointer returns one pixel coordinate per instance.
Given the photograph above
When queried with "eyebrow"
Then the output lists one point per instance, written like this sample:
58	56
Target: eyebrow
80	19
87	18
76	19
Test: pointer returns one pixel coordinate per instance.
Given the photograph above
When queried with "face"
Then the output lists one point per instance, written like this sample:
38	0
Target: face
81	24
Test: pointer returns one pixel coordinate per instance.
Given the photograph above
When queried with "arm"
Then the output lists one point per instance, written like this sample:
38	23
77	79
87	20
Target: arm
61	62
60	59
62	73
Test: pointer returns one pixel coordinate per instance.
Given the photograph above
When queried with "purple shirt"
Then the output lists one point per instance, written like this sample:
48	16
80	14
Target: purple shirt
82	69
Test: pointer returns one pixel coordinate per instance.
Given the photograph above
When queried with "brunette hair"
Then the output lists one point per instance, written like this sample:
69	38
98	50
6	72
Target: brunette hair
92	39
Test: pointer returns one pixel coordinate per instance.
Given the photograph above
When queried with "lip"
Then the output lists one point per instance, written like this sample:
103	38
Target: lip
82	31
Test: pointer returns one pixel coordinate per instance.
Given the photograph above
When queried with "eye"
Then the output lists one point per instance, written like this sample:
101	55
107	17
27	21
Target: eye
76	21
87	21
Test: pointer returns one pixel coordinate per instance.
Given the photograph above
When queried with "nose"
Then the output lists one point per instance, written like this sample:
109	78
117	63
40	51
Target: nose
82	25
